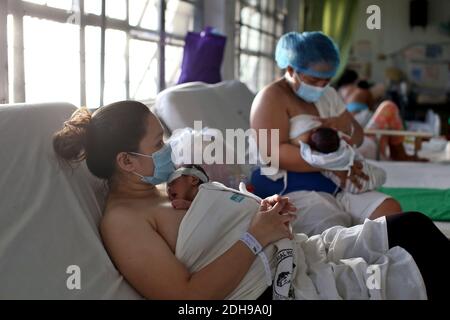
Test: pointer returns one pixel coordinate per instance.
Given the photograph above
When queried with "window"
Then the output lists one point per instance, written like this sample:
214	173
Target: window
260	23
52	60
60	4
70	50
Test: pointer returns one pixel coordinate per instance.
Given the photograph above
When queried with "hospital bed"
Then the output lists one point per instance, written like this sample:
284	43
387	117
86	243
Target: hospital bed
427	180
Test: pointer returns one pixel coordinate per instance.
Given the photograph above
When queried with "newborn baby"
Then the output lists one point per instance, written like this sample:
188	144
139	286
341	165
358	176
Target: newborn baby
324	140
324	148
182	186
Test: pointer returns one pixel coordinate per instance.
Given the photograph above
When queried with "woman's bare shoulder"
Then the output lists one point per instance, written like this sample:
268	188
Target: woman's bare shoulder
272	92
127	211
270	100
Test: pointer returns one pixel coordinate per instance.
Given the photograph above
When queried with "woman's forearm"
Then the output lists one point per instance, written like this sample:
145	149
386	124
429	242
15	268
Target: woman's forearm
291	160
358	134
218	279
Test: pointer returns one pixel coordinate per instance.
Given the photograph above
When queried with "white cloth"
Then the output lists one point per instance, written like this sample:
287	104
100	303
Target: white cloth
361	206
302	124
341	264
330	104
318	211
340	160
215	221
377	178
333	265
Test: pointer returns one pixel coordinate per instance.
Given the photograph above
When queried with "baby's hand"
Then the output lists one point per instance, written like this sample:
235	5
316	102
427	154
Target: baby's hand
181	204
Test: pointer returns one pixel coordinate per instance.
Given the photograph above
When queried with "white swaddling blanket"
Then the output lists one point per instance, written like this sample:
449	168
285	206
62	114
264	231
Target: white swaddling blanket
338	264
215	221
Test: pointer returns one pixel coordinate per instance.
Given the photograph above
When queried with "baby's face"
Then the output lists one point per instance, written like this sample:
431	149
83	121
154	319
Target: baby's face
182	188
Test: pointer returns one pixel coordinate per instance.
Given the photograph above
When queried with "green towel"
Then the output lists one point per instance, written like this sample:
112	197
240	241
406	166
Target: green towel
435	203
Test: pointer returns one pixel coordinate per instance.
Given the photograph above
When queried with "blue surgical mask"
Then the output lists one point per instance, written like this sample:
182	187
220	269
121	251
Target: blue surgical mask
164	167
310	93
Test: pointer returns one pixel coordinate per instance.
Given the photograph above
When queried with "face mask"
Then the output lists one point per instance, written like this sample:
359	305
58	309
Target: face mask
164	167
310	93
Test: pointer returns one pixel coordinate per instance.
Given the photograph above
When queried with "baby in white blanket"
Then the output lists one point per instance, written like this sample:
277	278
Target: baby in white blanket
324	148
183	185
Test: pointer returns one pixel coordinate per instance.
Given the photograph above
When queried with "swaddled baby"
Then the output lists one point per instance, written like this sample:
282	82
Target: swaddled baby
183	185
324	148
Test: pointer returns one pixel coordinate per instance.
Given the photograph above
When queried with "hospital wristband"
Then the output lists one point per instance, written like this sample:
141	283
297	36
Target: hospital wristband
256	248
251	243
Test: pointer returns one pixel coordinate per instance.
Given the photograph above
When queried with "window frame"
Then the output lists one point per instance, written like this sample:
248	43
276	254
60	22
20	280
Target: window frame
4	88
278	16
19	9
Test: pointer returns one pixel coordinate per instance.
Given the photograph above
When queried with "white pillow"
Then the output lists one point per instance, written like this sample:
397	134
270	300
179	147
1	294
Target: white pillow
221	106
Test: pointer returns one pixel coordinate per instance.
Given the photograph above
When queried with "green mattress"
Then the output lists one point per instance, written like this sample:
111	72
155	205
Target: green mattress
435	203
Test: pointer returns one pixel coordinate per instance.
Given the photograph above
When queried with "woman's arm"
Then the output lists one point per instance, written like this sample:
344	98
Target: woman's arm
267	114
149	265
347	124
356	132
291	160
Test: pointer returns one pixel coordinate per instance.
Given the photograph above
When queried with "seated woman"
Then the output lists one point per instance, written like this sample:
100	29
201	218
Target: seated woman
310	60
361	104
165	253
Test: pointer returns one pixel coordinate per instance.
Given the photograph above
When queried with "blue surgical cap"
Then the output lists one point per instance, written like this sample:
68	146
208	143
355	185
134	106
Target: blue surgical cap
302	51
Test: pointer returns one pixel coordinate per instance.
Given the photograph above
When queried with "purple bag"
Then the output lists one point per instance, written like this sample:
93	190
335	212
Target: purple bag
203	57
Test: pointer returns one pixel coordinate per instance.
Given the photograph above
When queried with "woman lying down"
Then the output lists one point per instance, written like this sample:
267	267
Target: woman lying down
230	244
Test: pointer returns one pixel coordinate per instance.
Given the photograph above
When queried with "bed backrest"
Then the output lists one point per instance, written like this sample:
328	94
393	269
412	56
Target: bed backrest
49	214
225	105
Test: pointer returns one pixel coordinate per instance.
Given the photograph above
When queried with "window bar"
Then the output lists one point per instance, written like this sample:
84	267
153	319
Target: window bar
82	53
162	46
238	40
127	53
257	29
102	53
274	40
143	13
19	64
257	7
284	25
199	9
3	52
258	63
